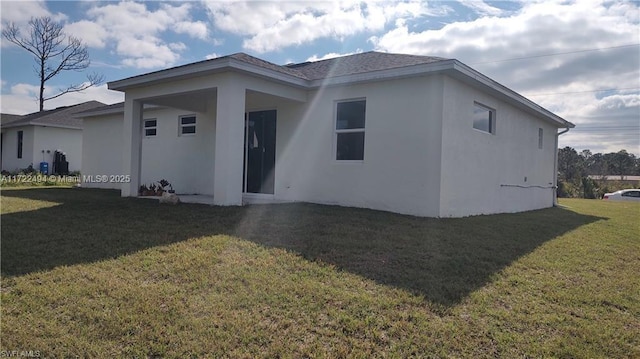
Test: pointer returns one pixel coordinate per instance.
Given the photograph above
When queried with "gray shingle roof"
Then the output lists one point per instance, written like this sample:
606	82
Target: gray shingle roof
6	118
116	106
241	56
359	63
341	66
60	117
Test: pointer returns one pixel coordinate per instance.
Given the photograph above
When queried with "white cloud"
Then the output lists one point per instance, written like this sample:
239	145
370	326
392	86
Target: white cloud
196	29
481	7
177	46
541	28
137	32
22	98
331	55
20	12
274	25
212	55
92	34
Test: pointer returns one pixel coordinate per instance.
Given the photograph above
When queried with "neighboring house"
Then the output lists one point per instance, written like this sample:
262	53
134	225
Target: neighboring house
5	118
411	134
34	138
627	179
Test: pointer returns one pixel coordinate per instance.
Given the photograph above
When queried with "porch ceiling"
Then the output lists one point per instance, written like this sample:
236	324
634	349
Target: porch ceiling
194	101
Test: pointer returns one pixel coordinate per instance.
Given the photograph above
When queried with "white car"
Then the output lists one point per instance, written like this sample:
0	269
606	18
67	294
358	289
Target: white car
623	195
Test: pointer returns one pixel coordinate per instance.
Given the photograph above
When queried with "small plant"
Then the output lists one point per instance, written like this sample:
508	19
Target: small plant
163	184
156	189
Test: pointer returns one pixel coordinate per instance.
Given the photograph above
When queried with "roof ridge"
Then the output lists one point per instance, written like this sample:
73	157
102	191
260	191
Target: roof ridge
293	65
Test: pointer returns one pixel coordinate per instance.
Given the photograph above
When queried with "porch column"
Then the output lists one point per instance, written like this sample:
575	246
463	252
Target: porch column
132	146
229	148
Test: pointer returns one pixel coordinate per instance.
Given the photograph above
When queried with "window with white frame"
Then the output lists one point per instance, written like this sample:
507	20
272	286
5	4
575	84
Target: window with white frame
150	127
540	140
350	123
484	118
188	125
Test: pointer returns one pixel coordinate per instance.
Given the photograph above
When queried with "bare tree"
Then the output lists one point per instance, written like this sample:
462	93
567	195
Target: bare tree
54	52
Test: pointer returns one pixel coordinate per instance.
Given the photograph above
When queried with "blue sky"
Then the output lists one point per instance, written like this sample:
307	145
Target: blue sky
580	59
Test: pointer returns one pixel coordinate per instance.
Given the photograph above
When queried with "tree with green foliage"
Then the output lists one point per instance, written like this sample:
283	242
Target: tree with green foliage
574	169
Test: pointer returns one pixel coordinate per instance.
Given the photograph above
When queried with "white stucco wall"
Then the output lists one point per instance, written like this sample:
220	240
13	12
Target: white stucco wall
10	160
102	149
67	140
422	155
186	161
400	171
35	140
477	165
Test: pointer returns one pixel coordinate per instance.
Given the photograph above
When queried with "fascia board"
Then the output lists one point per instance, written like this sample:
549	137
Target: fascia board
186	71
451	67
56	126
33	123
112	111
193	70
268	74
390	74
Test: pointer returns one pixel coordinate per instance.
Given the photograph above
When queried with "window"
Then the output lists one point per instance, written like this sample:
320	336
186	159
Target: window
540	138
20	136
631	194
484	118
150	127
350	119
188	125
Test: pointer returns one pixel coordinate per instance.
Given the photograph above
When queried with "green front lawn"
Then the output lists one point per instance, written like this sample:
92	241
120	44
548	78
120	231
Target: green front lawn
87	273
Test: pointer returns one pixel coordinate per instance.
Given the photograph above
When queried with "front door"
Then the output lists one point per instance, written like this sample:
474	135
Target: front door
260	152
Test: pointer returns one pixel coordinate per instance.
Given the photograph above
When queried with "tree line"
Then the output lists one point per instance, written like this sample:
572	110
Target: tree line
574	169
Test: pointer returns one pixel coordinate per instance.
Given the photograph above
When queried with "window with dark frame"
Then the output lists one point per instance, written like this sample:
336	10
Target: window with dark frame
20	137
150	127
631	194
350	124
188	125
484	118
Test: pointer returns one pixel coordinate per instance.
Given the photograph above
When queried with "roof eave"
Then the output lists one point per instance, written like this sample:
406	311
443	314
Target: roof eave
451	67
91	113
388	74
513	97
197	69
456	69
67	127
34	123
112	111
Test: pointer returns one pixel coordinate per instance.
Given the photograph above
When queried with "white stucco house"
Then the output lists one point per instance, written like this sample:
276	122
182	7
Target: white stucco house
31	139
418	135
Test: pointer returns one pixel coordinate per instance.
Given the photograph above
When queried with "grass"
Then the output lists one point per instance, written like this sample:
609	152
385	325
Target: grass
87	273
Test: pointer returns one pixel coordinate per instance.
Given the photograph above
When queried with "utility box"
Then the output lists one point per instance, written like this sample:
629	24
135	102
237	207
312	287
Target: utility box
44	168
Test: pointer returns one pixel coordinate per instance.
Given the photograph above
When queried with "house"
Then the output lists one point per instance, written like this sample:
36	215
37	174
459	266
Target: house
418	135
34	138
612	180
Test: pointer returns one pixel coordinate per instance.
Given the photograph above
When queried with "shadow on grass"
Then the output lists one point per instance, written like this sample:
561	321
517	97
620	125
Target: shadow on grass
442	259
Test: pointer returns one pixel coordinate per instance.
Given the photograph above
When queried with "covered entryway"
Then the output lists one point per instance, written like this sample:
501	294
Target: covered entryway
259	152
